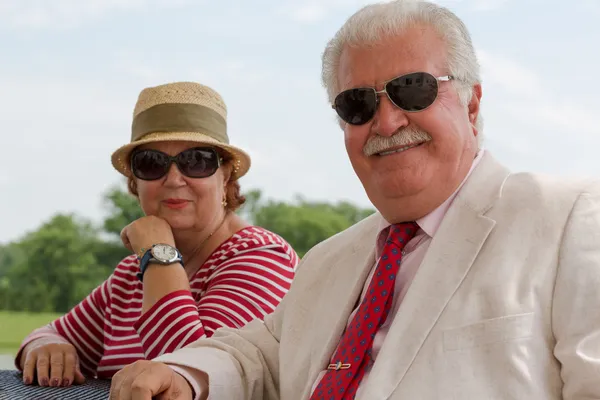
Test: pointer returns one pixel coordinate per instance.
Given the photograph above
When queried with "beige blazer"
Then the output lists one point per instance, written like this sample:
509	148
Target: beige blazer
505	305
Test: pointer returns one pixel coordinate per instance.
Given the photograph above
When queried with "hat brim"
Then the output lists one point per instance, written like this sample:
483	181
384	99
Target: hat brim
241	159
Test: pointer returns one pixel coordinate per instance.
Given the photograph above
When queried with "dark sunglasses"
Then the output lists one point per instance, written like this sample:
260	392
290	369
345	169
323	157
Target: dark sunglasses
411	93
198	162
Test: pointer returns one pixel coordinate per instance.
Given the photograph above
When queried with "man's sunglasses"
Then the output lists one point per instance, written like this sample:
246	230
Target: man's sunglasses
411	92
198	162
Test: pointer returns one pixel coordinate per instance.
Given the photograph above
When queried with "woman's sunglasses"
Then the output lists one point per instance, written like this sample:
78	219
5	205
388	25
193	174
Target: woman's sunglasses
411	92
198	162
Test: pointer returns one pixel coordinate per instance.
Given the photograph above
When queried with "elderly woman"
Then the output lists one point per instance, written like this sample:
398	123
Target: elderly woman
197	265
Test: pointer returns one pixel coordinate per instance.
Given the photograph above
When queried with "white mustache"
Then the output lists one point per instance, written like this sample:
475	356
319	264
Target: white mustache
409	135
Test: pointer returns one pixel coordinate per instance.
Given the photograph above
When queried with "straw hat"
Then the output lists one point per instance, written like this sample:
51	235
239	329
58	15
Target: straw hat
183	111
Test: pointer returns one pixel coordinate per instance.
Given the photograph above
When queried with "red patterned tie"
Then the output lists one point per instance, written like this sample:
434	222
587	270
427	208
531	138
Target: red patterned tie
349	361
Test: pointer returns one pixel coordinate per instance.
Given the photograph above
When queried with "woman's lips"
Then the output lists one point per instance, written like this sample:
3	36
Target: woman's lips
176	203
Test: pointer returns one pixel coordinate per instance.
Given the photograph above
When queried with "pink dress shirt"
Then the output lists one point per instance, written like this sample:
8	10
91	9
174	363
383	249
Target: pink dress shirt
414	253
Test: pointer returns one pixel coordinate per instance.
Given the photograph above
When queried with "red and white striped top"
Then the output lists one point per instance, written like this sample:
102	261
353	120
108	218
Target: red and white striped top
244	279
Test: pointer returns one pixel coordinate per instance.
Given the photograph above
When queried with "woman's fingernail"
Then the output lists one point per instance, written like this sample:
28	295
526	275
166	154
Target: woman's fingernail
66	382
54	382
44	381
27	380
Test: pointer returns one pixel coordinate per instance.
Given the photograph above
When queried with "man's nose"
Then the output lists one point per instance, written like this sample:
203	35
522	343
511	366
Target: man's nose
389	118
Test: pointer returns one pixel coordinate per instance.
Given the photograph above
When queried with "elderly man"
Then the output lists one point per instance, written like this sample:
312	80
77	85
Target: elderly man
471	282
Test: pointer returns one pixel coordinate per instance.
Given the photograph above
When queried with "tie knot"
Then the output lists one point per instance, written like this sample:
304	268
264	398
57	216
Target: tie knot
400	234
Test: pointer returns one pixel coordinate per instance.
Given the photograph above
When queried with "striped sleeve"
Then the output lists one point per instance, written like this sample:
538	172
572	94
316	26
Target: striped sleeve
247	282
170	324
82	327
247	285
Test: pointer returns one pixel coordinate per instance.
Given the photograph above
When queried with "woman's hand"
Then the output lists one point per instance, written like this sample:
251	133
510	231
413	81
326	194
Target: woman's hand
139	236
145	232
55	363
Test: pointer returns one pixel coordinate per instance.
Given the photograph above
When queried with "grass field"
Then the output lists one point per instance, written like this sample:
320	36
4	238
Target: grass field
14	326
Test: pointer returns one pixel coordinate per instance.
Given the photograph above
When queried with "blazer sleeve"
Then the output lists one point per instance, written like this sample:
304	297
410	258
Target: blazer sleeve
242	364
576	302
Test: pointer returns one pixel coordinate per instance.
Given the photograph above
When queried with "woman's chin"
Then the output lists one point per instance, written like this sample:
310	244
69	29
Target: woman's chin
179	223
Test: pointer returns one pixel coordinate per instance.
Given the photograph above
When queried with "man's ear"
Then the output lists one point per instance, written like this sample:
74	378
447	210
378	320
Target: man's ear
473	106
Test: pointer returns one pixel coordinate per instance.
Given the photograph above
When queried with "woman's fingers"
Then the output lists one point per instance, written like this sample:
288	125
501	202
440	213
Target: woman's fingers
79	378
29	368
42	367
54	364
68	375
125	238
57	367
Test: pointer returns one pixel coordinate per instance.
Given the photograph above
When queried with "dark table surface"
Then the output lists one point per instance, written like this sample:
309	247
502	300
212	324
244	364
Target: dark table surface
13	388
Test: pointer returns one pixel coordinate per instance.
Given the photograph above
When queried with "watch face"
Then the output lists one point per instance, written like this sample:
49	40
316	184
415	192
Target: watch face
164	252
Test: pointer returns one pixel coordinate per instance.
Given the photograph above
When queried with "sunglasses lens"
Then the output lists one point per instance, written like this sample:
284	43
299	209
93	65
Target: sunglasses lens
356	106
198	162
149	165
413	92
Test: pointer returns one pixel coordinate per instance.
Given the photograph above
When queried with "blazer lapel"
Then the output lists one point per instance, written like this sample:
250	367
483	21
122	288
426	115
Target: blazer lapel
451	253
341	287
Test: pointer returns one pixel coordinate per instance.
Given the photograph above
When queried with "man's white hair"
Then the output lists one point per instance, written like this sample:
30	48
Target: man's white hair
375	22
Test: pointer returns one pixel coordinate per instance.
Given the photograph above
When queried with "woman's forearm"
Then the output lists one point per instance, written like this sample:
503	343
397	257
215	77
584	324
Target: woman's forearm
169	312
160	280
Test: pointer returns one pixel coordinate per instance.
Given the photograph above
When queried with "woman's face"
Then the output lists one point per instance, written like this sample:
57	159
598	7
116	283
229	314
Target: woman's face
185	203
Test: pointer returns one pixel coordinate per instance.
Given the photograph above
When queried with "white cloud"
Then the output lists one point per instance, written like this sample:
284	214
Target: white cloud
131	64
477	5
514	77
580	123
66	102
64	14
530	98
240	72
308	13
220	72
533	125
4	178
591	6
311	12
62	135
488	5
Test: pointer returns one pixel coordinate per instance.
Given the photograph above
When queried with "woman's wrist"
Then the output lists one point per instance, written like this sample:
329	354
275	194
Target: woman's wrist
155	268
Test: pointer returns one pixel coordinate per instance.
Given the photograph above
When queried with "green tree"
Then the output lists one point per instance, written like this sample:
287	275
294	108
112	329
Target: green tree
302	223
10	254
59	266
54	267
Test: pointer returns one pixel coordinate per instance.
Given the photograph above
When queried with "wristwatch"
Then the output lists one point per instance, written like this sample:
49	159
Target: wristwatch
160	253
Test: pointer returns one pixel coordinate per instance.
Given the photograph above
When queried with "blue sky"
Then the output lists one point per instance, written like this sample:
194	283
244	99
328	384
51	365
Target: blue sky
71	70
